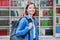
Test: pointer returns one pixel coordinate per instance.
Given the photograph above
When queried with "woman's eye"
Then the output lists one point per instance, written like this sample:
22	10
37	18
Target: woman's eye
31	8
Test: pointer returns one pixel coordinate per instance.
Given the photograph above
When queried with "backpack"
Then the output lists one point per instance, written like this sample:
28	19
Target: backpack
13	29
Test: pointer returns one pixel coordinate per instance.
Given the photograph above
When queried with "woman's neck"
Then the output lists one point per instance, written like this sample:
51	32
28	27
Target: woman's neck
31	16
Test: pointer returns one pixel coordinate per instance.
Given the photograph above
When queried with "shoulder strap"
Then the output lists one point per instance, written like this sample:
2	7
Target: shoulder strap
27	19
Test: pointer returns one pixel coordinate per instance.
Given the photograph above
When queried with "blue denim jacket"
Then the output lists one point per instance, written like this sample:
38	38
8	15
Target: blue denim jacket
23	29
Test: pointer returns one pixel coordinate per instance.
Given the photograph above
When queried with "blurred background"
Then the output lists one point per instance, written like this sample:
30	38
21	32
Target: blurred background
47	16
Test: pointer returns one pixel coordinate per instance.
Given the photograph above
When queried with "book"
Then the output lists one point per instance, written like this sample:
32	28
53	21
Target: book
56	1
18	2
0	2
14	3
36	14
5	3
44	23
50	13
4	32
57	20
58	29
44	12
41	13
50	22
57	10
14	13
23	4
42	32
50	3
4	13
11	3
49	32
4	22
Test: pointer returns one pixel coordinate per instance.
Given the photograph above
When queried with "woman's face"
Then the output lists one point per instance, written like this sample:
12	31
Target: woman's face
31	9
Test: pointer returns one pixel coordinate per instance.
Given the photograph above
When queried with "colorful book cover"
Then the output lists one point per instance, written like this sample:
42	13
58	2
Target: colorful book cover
44	22
36	14
18	2
13	13
0	2
50	22
50	13
3	32
50	2
41	13
44	12
14	3
5	2
4	22
58	29
57	10
49	32
57	20
4	13
56	1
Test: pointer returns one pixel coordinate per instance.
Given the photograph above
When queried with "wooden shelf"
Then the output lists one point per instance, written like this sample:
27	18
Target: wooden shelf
46	27
46	16
2	37
46	36
57	6
46	7
16	7
57	23
4	27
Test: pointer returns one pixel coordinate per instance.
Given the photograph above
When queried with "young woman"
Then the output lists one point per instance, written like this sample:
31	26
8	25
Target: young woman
24	27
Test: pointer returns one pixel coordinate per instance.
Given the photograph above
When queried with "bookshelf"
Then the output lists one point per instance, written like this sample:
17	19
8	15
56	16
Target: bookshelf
47	16
57	17
4	19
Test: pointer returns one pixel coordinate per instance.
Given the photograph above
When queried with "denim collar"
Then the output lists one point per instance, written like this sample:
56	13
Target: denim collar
29	17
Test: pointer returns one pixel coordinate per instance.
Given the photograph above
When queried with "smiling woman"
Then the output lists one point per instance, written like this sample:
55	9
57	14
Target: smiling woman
29	31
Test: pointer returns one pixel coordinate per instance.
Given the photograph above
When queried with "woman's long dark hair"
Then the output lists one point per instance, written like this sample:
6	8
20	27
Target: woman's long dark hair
27	8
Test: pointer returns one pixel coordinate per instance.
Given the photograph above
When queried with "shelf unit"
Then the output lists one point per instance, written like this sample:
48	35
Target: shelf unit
46	16
57	18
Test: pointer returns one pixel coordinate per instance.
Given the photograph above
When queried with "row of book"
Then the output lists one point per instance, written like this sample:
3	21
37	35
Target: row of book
4	22
46	23
4	32
21	3
4	13
58	29
4	2
46	2
12	3
44	32
57	20
15	3
57	10
57	1
46	12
